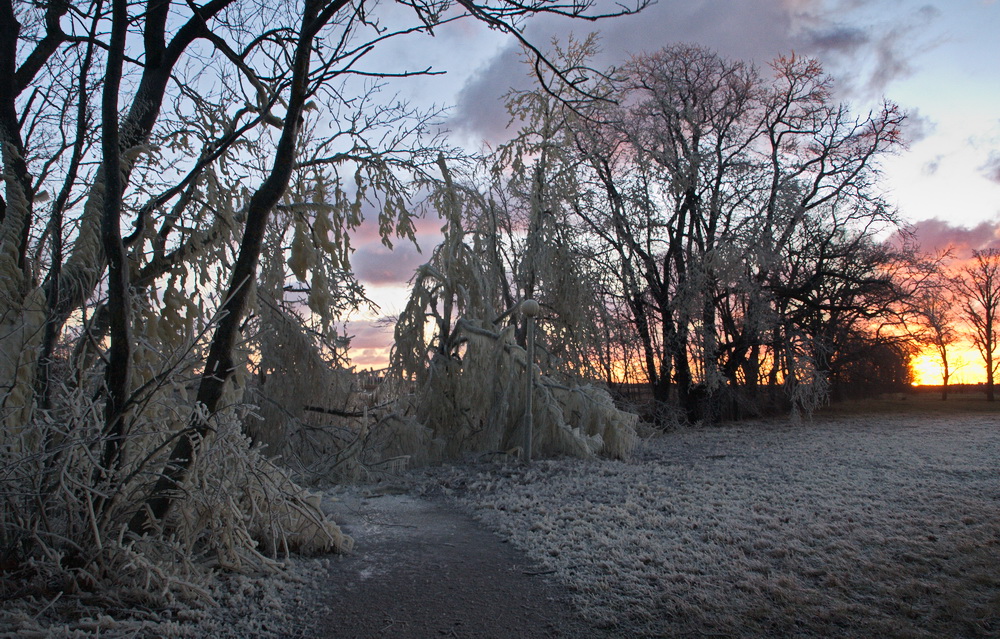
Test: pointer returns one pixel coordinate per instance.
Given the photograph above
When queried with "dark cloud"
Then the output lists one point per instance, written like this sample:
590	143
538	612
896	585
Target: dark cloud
375	264
839	38
865	57
754	31
481	112
917	126
991	168
936	235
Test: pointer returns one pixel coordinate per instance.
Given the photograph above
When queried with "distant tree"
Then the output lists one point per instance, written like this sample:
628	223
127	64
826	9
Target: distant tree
705	188
941	333
838	292
869	365
931	311
977	287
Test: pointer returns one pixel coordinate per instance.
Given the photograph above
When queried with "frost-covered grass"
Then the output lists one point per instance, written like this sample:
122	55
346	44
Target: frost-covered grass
852	527
880	526
234	606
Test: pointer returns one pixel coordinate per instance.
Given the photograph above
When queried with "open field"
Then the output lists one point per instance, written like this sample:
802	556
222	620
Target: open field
880	525
920	401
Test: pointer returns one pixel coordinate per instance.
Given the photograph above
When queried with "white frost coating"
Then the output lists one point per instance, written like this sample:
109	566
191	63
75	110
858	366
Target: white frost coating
476	404
235	511
86	262
21	329
469	372
878	526
273	606
20	324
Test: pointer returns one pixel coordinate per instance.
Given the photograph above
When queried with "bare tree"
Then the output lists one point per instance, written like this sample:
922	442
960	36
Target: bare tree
708	183
929	314
977	286
936	310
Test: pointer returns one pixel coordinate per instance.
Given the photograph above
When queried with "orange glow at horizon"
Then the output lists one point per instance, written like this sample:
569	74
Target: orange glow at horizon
964	362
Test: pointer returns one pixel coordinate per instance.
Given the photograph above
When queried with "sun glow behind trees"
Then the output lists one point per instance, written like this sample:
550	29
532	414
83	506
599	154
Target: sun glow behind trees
965	363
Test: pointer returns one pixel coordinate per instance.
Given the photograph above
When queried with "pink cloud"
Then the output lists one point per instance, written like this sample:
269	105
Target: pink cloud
370	343
936	235
376	264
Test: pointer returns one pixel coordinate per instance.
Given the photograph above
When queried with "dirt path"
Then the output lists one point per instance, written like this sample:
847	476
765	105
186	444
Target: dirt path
422	569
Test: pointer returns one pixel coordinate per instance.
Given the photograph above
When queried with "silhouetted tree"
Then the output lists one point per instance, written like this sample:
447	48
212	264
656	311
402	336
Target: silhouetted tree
978	289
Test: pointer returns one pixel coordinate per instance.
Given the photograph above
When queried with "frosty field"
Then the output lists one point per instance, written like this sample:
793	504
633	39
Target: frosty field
858	526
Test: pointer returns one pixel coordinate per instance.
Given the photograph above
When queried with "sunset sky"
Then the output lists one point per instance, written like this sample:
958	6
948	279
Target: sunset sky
939	60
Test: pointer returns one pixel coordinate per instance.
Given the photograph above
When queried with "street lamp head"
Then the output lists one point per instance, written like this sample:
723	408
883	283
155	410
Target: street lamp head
529	308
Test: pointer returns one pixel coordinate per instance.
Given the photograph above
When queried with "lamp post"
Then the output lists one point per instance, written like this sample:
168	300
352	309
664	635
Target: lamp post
530	309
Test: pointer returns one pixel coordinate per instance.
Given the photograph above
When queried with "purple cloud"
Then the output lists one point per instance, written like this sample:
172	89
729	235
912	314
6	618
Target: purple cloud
375	264
934	235
991	168
371	341
754	31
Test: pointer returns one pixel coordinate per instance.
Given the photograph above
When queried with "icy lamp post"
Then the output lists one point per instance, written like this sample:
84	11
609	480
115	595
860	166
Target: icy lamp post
530	309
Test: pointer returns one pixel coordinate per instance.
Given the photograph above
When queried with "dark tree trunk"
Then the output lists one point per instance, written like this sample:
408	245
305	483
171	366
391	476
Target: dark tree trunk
944	379
63	298
990	390
10	135
117	372
638	307
220	364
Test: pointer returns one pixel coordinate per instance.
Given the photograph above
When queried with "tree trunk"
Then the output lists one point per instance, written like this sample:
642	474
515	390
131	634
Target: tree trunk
944	379
990	391
117	371
219	366
649	356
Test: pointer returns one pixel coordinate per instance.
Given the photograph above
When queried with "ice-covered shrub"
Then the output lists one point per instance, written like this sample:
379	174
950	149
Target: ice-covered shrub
64	513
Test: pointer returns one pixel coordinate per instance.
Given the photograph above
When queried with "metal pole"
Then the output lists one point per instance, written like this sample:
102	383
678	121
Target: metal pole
530	309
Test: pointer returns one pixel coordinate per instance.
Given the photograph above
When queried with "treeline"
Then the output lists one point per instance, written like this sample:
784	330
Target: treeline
701	226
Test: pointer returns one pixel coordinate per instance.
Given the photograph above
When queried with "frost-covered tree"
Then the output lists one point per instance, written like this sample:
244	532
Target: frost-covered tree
698	184
538	175
459	350
170	168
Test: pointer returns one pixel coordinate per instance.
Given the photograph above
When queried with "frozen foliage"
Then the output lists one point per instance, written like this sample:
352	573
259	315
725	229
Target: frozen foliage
264	607
64	512
467	367
476	404
854	527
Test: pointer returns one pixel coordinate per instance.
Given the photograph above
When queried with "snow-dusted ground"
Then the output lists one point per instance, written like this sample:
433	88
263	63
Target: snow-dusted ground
861	527
853	527
269	606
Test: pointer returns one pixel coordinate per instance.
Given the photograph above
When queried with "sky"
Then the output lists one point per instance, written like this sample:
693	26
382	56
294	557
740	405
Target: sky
939	60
